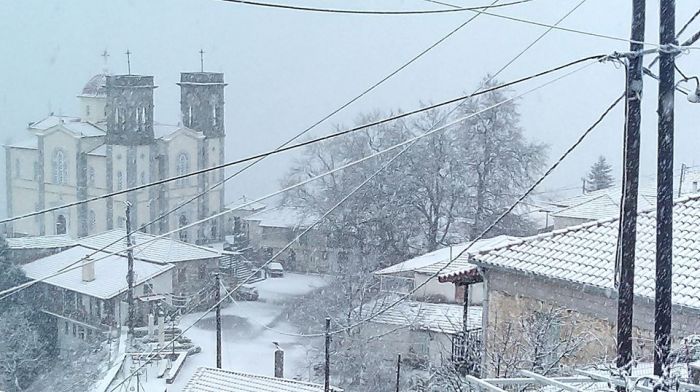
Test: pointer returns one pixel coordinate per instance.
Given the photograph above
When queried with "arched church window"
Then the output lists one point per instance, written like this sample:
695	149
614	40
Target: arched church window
61	224
91	176
183	167
182	223
92	220
60	170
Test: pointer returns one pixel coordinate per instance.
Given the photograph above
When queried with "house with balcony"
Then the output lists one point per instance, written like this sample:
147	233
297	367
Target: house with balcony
564	283
87	299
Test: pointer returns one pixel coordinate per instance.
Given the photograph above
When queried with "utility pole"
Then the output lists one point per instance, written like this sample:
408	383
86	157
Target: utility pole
129	275
327	369
630	187
398	372
664	204
217	298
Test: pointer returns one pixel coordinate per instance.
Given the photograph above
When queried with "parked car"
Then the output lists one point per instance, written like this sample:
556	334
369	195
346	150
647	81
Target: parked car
275	270
246	293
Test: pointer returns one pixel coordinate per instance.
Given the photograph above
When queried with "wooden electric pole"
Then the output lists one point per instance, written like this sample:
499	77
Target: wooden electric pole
630	187
217	298
665	190
398	372
327	367
129	276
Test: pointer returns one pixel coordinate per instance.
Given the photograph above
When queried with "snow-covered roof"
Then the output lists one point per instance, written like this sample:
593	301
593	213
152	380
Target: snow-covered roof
161	250
167	131
601	204
51	121
432	262
422	316
100	151
283	216
30	144
218	380
95	87
110	273
249	206
41	242
585	254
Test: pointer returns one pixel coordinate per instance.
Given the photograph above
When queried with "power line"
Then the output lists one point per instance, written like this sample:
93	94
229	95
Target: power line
298	135
367	12
302	144
570	30
404	143
7	292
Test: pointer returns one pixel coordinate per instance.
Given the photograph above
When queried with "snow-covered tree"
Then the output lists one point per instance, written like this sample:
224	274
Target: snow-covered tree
446	188
599	177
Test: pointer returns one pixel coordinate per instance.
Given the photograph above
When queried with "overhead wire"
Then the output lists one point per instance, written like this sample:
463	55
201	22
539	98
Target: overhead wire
297	136
298	145
570	30
406	142
367	12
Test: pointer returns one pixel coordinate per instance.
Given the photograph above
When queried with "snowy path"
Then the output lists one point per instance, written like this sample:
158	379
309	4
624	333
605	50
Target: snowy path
247	344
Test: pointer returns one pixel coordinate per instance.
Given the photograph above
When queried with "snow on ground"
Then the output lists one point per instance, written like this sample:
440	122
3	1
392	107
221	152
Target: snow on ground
248	330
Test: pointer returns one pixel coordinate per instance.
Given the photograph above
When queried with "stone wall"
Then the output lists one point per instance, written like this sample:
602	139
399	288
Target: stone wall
586	314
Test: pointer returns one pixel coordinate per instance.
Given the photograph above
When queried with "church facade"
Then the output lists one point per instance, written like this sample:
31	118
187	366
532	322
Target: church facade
114	145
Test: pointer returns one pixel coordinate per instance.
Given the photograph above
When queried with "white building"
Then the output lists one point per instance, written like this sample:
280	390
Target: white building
409	275
112	145
90	300
207	379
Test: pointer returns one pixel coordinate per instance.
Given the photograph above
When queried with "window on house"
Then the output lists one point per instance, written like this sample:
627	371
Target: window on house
183	167
87	110
92	219
61	224
202	271
17	171
65	328
143	178
75	330
182	275
148	288
60	169
121	222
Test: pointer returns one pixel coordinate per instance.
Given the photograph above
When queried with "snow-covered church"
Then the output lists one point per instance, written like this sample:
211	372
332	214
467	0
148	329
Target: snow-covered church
113	145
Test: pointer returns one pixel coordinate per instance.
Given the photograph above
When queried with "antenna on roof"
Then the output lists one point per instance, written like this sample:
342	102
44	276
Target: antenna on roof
201	59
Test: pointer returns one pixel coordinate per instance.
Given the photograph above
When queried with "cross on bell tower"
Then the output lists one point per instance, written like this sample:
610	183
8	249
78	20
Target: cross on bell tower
128	61
105	59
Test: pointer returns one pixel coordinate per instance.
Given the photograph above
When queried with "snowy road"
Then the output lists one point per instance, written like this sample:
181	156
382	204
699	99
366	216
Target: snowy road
247	343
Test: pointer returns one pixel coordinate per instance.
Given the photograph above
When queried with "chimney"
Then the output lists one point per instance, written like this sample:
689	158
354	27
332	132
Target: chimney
279	363
695	186
88	270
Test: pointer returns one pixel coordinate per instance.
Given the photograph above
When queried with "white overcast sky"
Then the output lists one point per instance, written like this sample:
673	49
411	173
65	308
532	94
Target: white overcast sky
287	69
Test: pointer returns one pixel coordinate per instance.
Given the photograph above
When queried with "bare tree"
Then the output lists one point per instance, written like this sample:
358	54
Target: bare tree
21	349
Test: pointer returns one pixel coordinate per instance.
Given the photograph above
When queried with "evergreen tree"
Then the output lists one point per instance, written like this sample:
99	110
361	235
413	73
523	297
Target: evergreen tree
599	177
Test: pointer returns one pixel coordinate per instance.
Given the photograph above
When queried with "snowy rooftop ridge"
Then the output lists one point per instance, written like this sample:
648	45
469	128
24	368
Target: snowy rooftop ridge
432	262
422	316
110	272
207	379
160	250
585	254
283	216
41	242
